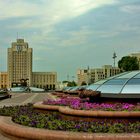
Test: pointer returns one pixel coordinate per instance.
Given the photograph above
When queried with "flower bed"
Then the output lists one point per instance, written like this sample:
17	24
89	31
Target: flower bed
64	101
106	106
78	104
26	115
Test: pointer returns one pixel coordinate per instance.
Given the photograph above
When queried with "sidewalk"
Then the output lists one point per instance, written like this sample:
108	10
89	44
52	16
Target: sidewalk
52	97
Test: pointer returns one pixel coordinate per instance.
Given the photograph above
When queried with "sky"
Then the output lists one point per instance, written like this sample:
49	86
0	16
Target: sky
70	34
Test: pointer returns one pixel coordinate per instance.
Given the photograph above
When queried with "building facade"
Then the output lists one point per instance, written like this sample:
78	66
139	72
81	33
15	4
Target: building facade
93	75
19	63
45	80
3	80
20	68
82	76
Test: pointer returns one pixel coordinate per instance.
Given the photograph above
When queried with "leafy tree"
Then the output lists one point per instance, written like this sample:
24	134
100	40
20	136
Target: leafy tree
23	82
71	84
83	83
65	82
128	63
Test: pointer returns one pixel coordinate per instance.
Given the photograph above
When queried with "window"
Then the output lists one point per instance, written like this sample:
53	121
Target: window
110	88
134	81
116	82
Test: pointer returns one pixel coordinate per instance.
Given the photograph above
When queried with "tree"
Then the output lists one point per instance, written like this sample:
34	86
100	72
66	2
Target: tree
65	82
23	82
83	83
71	84
128	63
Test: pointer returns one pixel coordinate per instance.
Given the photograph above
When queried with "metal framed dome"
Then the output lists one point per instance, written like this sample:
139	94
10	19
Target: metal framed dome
124	85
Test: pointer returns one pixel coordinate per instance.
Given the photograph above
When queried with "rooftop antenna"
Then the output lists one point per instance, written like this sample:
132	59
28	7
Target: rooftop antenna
114	57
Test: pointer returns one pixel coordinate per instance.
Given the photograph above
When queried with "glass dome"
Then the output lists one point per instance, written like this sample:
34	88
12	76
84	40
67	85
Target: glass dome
25	89
124	85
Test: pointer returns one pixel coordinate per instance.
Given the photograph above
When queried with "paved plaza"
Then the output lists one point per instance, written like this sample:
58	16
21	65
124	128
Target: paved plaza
23	98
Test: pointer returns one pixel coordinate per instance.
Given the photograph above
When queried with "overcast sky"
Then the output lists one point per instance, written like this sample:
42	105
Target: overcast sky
69	34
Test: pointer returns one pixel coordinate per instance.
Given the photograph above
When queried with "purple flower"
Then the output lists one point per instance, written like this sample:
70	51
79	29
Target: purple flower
76	103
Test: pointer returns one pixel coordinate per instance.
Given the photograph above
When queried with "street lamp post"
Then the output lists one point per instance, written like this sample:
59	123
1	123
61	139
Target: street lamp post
114	57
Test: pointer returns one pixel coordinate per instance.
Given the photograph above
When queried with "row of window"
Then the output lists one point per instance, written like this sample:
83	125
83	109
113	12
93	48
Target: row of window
47	87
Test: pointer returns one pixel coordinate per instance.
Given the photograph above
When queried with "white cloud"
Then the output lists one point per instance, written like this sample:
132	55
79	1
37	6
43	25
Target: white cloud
49	13
45	15
55	9
107	34
78	37
17	8
132	9
117	30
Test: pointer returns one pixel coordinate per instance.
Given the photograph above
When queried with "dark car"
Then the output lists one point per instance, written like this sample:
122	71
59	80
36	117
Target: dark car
4	94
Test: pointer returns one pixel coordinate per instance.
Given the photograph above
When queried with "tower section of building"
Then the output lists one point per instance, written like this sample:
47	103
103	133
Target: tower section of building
19	63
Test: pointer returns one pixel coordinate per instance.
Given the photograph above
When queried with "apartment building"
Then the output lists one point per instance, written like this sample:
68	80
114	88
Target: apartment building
83	76
96	74
3	80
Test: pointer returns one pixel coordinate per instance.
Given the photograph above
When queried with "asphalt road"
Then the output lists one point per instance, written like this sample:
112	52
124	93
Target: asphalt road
23	98
20	99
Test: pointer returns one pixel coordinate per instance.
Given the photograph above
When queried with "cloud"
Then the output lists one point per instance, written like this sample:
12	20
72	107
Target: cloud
128	28
55	9
131	9
17	8
47	13
44	15
74	38
82	36
106	34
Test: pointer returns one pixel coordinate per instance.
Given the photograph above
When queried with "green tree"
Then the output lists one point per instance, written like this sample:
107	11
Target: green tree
23	82
83	83
71	84
65	82
128	63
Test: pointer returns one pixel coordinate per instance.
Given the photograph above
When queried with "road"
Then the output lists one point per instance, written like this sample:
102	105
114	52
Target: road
23	98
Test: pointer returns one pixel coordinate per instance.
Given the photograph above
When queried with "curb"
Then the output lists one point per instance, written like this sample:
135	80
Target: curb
69	111
19	132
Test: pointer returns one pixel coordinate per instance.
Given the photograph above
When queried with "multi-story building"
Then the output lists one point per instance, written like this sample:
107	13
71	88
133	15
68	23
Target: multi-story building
96	74
46	80
19	63
20	68
82	76
3	80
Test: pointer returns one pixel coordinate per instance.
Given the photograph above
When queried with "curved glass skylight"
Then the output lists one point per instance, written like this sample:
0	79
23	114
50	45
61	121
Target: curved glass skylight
24	89
124	85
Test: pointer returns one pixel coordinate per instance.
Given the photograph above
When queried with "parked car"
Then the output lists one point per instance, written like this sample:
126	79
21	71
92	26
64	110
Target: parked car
4	94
